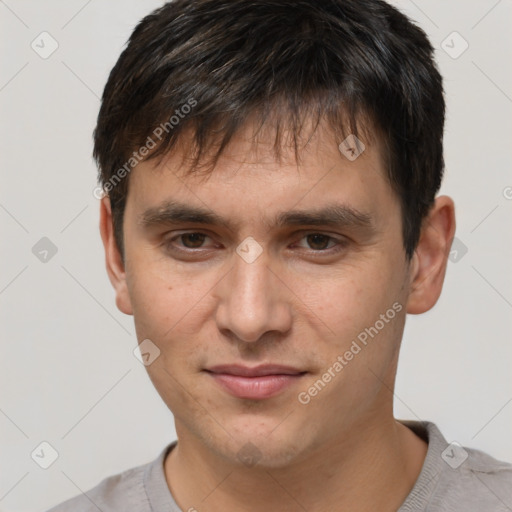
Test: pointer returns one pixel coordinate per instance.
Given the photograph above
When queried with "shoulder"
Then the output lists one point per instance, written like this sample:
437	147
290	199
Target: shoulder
122	491
481	482
457	478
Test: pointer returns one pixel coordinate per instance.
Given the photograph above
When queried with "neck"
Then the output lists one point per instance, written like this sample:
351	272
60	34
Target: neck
369	468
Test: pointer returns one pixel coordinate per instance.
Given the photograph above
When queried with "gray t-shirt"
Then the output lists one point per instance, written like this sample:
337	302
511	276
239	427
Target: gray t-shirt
452	479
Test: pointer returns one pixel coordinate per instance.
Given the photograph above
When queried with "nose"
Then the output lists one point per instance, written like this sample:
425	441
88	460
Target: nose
253	301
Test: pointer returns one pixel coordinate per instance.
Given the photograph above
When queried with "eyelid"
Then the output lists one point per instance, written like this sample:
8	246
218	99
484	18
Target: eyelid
170	240
339	240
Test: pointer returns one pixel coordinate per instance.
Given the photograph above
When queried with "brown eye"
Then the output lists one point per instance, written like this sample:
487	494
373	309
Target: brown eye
322	245
318	242
192	240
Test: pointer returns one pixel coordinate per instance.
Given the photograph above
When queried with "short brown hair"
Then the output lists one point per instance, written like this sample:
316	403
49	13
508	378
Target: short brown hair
282	61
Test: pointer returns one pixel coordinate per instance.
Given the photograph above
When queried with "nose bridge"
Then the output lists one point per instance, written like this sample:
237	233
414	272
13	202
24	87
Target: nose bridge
250	301
250	282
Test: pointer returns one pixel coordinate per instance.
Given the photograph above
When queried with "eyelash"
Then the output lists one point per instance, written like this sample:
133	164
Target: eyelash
340	244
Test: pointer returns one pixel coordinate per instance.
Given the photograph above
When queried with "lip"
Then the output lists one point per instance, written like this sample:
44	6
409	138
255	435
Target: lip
256	383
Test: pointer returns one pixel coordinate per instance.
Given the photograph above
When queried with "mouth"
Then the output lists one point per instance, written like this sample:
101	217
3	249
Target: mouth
256	383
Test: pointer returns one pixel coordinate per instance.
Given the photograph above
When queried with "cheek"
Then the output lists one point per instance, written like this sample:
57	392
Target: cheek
345	311
169	307
347	300
154	304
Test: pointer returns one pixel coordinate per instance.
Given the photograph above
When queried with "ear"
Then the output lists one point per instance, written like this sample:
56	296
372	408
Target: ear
113	260
428	265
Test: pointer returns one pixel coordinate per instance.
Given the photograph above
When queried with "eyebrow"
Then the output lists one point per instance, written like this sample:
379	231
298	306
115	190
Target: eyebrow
335	214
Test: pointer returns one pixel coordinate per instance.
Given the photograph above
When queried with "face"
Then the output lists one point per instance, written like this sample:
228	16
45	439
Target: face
279	310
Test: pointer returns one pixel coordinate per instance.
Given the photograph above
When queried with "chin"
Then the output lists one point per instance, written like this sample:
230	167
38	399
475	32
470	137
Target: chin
260	443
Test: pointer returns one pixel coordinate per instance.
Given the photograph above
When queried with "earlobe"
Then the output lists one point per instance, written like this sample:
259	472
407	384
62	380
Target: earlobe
113	261
428	266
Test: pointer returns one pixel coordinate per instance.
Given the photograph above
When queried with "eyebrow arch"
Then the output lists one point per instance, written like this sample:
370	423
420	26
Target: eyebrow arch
336	215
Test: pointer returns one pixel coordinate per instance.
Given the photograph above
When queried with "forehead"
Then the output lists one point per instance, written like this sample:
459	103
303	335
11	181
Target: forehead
264	145
249	176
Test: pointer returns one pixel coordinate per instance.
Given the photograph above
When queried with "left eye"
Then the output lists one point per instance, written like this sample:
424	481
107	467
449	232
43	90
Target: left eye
319	241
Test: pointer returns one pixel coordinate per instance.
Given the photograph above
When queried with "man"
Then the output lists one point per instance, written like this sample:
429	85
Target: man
270	171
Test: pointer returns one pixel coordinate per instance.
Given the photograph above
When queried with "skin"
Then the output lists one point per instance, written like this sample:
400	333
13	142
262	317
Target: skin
298	304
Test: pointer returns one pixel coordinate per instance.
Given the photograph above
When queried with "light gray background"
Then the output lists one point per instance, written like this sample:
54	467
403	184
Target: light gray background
68	374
